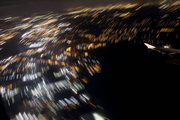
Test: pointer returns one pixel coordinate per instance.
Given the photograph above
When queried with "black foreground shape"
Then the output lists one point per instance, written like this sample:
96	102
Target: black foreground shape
135	83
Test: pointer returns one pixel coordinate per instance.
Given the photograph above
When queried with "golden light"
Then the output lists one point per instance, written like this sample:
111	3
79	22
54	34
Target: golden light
63	63
68	49
91	46
42	55
85	80
86	54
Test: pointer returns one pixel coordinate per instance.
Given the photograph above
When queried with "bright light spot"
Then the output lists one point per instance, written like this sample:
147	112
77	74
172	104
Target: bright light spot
76	16
85	96
149	46
97	117
7	18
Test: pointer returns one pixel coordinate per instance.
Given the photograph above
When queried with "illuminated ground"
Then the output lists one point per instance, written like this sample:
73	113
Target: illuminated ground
88	63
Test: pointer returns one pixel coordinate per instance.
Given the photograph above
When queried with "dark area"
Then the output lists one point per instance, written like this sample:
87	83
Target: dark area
136	84
3	112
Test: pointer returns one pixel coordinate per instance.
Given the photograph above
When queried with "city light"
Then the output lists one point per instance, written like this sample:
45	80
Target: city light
49	62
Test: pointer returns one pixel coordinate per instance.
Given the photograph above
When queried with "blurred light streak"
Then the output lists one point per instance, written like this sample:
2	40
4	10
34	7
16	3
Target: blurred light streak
149	46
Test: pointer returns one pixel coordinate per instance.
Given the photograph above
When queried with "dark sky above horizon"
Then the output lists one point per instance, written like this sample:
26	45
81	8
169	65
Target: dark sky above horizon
19	7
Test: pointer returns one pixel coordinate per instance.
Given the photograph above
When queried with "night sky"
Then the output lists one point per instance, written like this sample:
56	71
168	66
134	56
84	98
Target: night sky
20	7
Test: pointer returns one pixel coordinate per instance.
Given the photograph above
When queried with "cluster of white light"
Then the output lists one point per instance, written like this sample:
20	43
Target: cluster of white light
11	77
59	86
37	92
5	66
26	116
37	44
61	57
74	74
25	35
2	90
68	29
72	101
62	85
43	89
63	24
57	75
30	64
73	89
10	60
9	93
78	86
29	77
23	26
62	103
35	103
64	70
39	49
5	60
1	43
88	60
84	97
